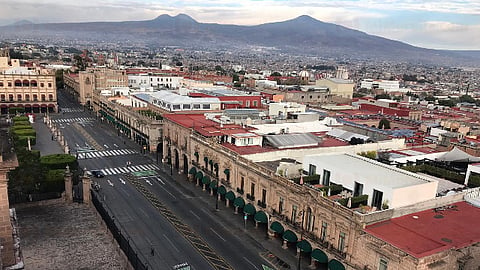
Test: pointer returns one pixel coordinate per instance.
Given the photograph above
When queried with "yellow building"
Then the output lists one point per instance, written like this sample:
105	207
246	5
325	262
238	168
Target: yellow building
26	88
337	87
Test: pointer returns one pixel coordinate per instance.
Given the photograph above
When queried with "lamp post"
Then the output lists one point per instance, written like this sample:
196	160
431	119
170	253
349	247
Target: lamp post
301	238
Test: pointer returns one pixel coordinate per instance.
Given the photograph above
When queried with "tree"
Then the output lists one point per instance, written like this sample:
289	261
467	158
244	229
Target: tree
382	96
448	102
384	124
430	98
276	74
467	99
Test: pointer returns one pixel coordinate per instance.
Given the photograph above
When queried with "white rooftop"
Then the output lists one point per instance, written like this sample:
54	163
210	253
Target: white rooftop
174	98
303	127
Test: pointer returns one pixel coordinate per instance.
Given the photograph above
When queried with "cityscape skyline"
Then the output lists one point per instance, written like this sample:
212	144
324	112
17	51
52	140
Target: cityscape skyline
427	24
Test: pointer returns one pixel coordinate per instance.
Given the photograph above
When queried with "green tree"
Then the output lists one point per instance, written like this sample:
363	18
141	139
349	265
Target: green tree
448	102
384	124
466	98
382	96
276	74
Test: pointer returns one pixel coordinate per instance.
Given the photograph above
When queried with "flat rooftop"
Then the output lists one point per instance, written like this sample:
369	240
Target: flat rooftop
428	232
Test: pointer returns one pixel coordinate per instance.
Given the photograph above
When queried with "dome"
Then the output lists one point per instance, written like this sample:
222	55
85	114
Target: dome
304	74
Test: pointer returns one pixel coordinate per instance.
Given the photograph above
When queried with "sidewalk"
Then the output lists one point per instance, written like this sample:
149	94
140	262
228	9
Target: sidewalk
44	143
254	236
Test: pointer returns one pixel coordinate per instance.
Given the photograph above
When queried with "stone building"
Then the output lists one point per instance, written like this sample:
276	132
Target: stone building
306	217
83	85
28	87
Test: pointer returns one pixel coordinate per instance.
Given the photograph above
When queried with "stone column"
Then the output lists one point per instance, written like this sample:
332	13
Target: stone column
86	183
68	185
6	238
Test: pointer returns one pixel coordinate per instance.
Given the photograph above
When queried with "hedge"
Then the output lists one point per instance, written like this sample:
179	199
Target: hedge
25	132
20	127
308	179
22	123
59	161
474	181
22	141
334	189
356	201
55	175
20	118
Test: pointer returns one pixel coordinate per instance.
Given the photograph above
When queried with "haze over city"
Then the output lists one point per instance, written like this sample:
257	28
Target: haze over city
428	24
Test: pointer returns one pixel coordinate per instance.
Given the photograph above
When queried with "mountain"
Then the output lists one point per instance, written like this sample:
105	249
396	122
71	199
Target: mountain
301	35
21	22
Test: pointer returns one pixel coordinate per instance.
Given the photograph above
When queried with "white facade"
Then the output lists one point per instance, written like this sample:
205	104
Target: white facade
173	102
282	109
246	139
154	80
388	86
384	184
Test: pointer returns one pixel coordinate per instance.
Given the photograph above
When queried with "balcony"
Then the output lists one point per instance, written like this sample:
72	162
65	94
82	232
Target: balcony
250	197
261	204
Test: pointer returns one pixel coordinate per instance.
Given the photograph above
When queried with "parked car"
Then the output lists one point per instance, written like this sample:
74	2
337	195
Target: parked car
98	174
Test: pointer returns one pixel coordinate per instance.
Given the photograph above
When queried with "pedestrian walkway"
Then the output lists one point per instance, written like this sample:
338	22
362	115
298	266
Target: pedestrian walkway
44	142
73	120
69	110
129	169
106	153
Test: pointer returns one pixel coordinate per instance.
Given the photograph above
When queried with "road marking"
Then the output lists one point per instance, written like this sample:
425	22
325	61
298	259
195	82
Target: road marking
148	182
110	182
106	146
251	263
115	145
143	212
168	239
122	181
195	215
160	180
218	235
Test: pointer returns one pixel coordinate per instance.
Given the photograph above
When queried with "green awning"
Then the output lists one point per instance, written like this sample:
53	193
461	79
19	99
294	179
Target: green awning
210	162
239	202
193	170
222	190
230	196
304	246
249	209
227	171
213	184
276	227
195	154
319	256
199	175
205	159
335	265
261	217
206	180
290	236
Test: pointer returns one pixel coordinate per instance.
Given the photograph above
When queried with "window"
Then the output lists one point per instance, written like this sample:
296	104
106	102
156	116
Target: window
250	141
43	98
383	264
280	205
33	83
323	234
2	97
303	97
252	190
255	103
27	97
35	98
242	183
264	196
294	213
50	97
49	85
377	199
326	178
42	84
341	241
206	106
176	107
358	189
247	103
312	169
310	220
186	106
18	83
196	106
1	84
19	97
10	97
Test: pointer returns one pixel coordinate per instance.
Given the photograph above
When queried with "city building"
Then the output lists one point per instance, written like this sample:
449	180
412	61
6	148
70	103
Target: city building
83	85
338	87
386	85
30	89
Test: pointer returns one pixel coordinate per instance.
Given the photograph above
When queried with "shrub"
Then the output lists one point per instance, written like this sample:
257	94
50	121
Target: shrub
20	118
59	161
20	127
356	201
25	132
22	123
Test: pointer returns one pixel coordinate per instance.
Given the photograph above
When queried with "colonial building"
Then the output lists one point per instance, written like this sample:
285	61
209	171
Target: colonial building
83	84
32	89
325	223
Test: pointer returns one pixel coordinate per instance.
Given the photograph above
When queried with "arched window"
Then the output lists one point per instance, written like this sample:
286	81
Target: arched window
10	97
310	220
26	83
33	83
50	97
43	98
35	98
19	97
27	97
2	97
18	83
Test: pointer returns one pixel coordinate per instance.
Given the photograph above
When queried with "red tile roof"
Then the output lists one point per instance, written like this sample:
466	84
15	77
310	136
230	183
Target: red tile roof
428	232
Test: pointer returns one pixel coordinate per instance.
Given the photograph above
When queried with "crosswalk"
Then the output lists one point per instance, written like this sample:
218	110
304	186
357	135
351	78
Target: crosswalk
106	153
129	169
69	110
75	120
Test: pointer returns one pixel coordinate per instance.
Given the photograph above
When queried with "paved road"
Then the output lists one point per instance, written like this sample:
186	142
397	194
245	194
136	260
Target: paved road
143	222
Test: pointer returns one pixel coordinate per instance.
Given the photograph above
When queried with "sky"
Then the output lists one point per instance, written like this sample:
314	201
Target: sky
435	24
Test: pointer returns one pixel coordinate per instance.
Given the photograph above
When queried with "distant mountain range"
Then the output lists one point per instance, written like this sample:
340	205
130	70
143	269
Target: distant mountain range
302	35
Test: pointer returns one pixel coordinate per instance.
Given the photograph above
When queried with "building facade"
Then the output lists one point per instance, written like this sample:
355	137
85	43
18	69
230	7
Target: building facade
27	89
